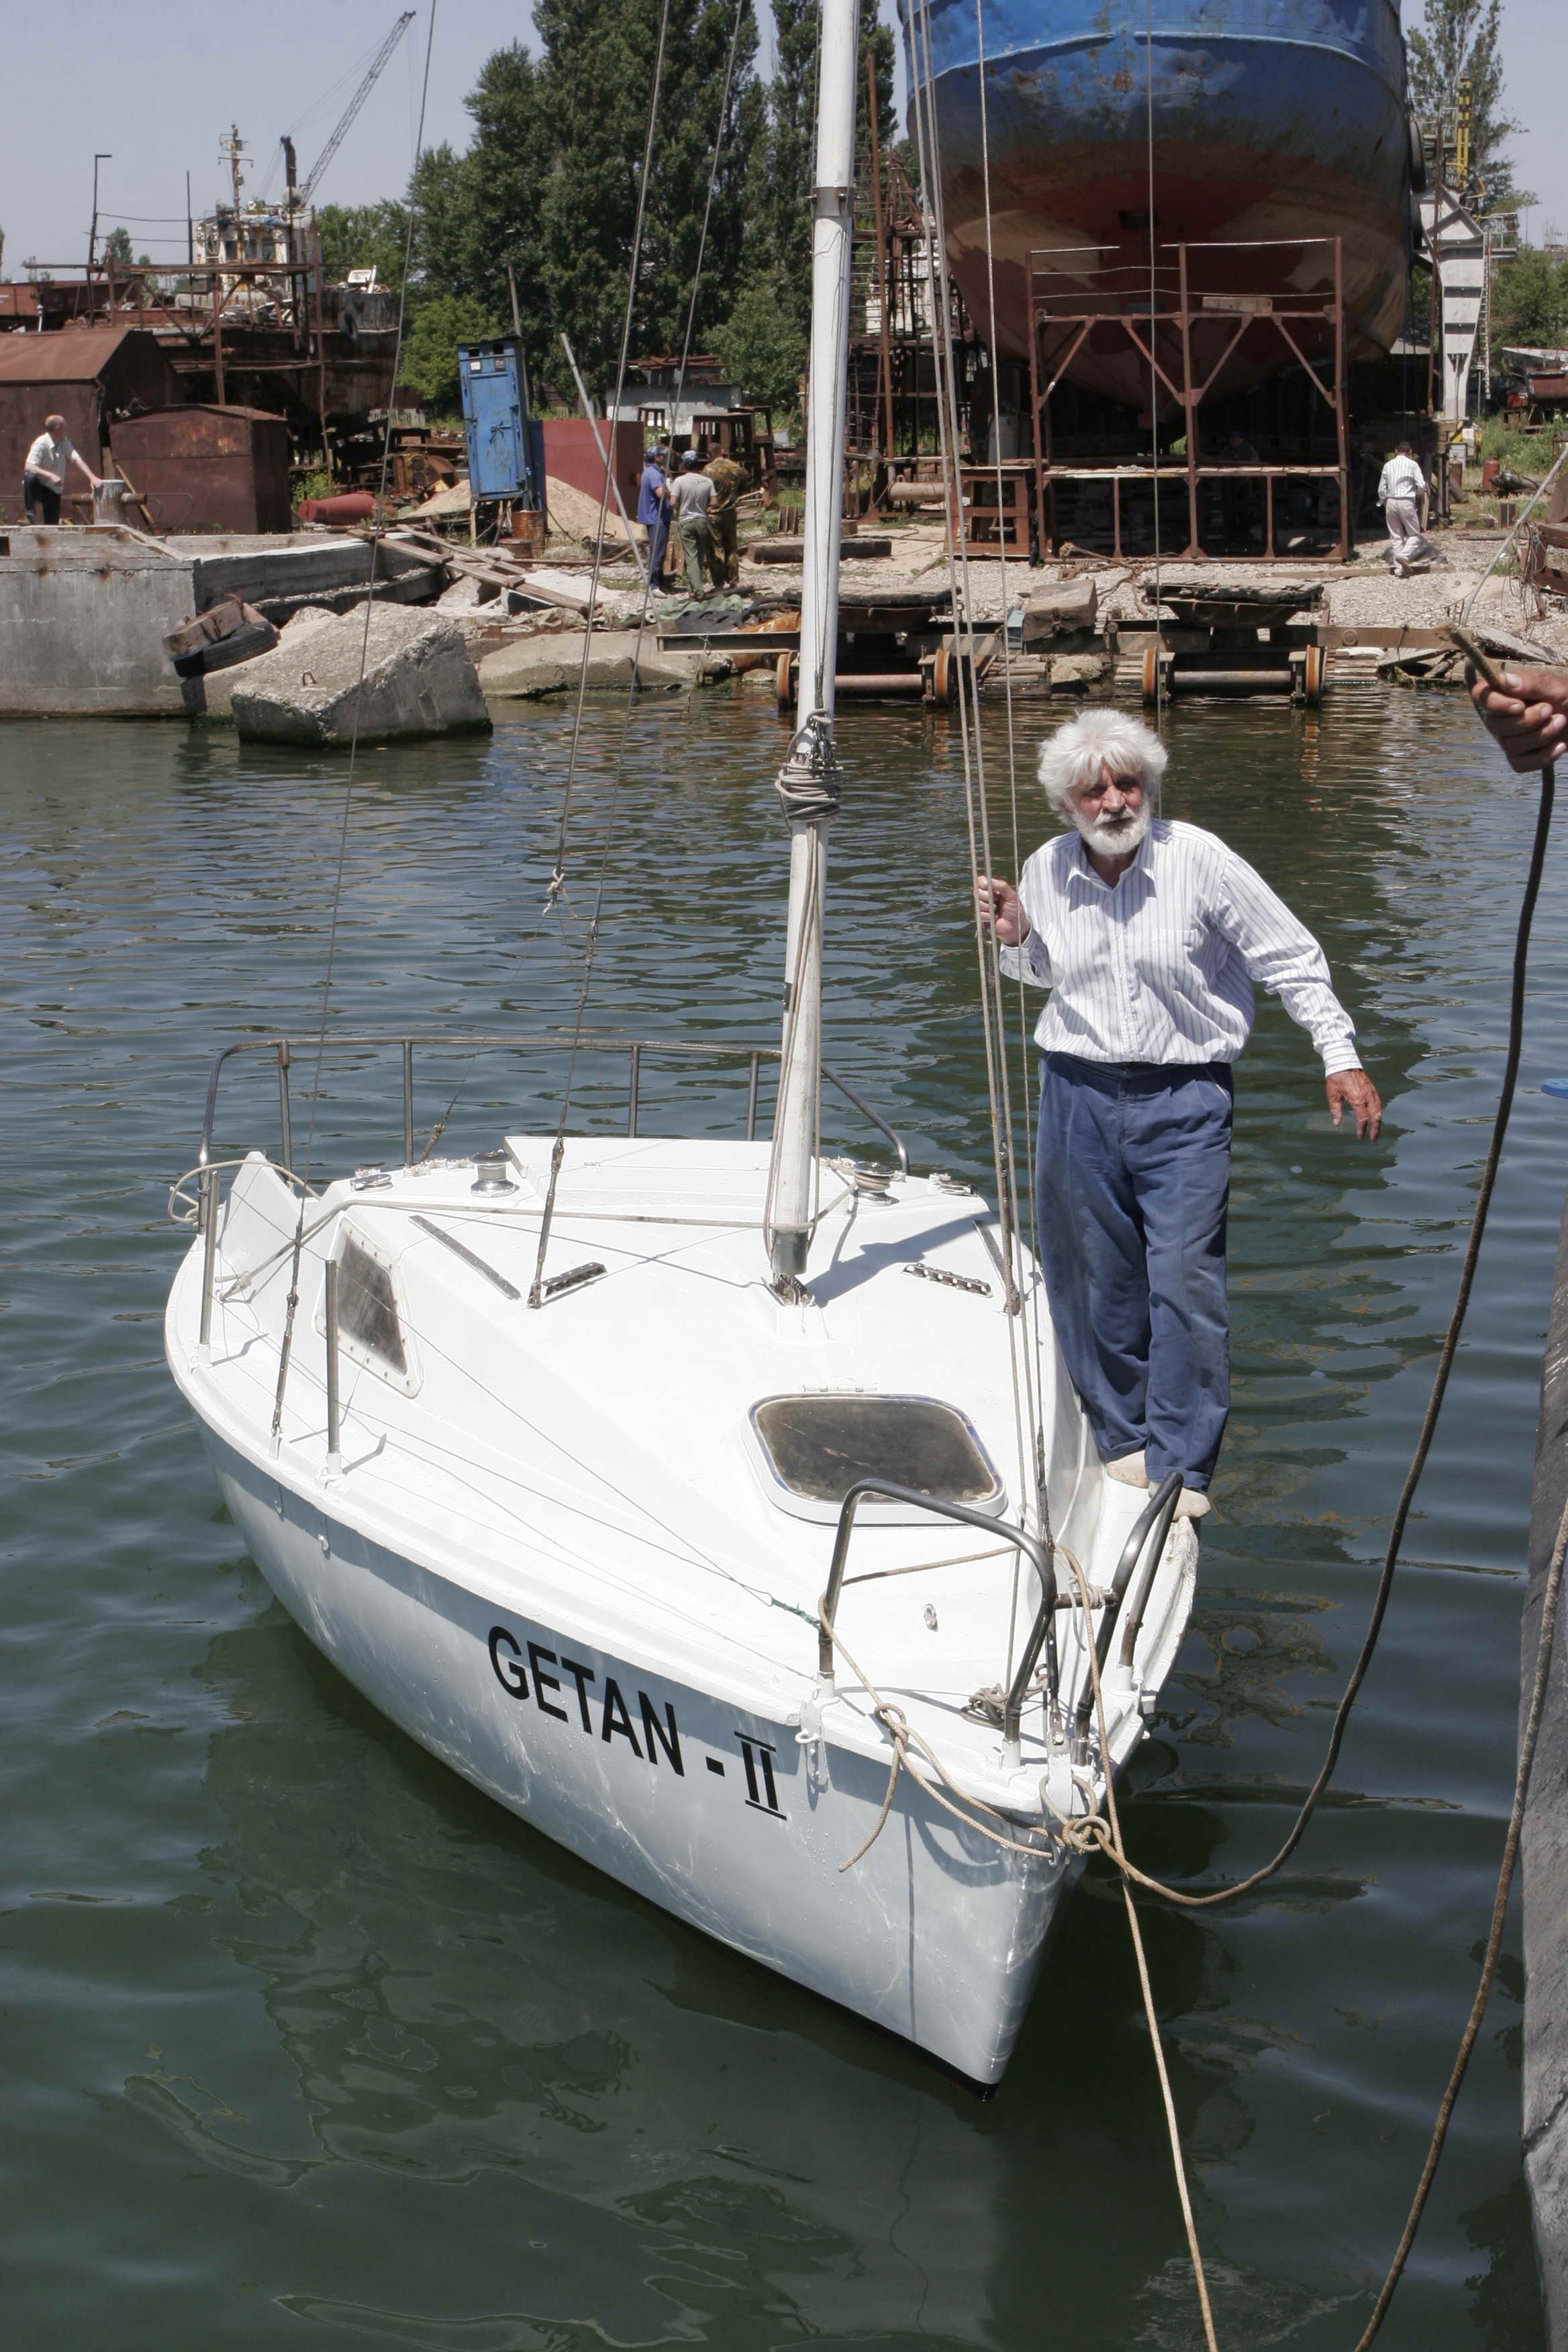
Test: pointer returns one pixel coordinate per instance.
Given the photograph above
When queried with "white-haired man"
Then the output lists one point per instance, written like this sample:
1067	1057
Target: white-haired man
1150	936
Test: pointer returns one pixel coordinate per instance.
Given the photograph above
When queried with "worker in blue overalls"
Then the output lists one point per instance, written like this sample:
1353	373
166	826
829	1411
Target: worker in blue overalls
653	512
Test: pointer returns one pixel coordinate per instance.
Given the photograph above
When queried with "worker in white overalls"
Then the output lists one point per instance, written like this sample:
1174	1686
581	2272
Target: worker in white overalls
1403	495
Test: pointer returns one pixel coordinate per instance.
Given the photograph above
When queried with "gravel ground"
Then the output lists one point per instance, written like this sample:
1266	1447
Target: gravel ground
1360	594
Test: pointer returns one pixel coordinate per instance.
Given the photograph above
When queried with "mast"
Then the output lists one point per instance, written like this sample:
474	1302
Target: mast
808	781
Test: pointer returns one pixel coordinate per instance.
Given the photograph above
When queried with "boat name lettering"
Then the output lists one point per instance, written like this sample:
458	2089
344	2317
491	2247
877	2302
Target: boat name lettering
514	1672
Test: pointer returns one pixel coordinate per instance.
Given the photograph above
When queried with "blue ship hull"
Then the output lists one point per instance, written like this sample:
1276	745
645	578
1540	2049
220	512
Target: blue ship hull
1271	119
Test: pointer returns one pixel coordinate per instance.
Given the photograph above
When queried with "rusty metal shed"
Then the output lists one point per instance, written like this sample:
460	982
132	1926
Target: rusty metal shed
207	470
90	376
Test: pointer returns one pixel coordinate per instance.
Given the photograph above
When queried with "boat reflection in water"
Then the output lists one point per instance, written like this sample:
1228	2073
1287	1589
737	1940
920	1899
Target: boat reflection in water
1278	121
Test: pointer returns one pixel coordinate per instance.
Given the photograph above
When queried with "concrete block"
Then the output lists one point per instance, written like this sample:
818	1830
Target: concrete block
1053	612
466	594
419	679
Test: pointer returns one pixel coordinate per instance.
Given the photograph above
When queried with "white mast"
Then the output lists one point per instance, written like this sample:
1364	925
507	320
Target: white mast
808	782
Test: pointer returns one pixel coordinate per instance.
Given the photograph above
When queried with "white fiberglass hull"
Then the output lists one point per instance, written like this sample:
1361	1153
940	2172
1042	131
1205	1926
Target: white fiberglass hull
548	1550
718	1815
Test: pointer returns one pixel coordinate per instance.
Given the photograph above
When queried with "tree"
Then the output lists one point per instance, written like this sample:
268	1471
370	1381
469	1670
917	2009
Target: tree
117	246
364	236
1529	300
430	347
763	350
1461	42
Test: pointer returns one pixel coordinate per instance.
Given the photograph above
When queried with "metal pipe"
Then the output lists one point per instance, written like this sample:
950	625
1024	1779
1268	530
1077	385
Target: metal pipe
1042	1555
1229	681
209	1197
1153	1521
633	1081
848	1091
1134	1619
408	1102
856	685
473	1042
334	1409
285	1126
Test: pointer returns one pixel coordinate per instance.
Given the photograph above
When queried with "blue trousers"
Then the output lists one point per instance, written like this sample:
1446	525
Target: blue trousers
1133	1176
657	541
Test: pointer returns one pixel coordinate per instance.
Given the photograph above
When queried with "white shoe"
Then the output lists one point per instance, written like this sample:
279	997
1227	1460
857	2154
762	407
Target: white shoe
1128	1470
1192	1505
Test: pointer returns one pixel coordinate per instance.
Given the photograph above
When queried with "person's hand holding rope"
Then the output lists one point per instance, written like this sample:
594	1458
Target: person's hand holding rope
1526	711
1000	911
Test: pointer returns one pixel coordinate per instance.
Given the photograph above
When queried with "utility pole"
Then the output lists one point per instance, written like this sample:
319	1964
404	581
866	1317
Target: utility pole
103	157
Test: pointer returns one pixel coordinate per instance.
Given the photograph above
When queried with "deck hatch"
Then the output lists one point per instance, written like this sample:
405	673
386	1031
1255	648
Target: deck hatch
817	1446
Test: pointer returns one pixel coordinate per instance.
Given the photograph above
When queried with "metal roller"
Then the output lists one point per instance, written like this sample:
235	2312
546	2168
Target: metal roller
1230	681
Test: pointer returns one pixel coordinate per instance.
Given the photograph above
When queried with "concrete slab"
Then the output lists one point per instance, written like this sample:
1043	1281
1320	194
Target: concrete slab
551	665
336	680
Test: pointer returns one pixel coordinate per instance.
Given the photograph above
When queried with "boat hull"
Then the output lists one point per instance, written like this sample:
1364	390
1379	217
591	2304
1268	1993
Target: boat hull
723	1818
1268	123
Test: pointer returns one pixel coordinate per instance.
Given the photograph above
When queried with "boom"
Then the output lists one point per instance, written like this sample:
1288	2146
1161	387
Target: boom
355	102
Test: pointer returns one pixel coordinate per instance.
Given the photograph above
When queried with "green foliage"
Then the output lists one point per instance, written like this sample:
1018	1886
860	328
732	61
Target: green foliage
1522	453
1529	300
430	345
763	351
364	236
1462	40
117	246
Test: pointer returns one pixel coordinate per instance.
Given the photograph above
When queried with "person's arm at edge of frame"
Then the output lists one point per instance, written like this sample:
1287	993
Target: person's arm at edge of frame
1531	721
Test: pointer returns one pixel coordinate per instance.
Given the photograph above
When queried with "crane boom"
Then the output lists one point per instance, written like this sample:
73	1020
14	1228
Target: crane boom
355	102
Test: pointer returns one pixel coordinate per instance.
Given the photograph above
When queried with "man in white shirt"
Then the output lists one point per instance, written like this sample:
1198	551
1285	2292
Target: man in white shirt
691	495
1150	936
1402	493
45	469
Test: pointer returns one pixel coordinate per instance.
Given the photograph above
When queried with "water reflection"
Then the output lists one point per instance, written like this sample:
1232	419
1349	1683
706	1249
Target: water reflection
330	2041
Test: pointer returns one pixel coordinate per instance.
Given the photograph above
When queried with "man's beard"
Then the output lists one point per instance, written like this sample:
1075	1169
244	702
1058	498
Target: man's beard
1114	836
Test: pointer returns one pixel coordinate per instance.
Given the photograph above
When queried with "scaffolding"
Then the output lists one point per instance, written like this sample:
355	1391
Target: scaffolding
1188	322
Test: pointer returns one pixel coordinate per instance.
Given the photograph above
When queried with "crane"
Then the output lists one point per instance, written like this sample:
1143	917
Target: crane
300	197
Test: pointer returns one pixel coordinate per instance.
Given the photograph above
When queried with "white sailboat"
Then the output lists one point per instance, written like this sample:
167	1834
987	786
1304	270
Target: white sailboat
637	1479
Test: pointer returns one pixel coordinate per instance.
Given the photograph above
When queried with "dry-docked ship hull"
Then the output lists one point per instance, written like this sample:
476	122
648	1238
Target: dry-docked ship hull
1271	119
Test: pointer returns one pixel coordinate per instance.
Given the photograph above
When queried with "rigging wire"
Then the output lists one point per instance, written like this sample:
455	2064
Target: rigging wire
558	878
1022	1368
1153	372
1026	1076
285	1348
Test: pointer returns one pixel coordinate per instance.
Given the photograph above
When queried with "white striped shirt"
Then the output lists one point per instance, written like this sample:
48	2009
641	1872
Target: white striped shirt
1160	968
1401	478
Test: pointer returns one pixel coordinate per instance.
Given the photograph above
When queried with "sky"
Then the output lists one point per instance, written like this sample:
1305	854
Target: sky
159	100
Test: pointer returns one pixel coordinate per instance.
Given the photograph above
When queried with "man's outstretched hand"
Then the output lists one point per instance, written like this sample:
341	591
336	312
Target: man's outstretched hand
1531	721
1352	1090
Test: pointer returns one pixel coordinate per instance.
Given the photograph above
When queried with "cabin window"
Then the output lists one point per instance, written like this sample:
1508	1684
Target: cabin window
367	1308
818	1446
373	1329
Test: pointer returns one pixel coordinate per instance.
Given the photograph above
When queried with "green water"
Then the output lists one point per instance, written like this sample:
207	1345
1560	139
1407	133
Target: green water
309	2044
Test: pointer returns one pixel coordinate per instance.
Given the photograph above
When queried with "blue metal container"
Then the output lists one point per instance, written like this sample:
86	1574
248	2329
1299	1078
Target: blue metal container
1258	119
506	447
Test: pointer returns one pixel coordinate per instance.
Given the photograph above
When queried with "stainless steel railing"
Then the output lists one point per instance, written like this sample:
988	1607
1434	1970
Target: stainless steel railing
284	1049
1042	1632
